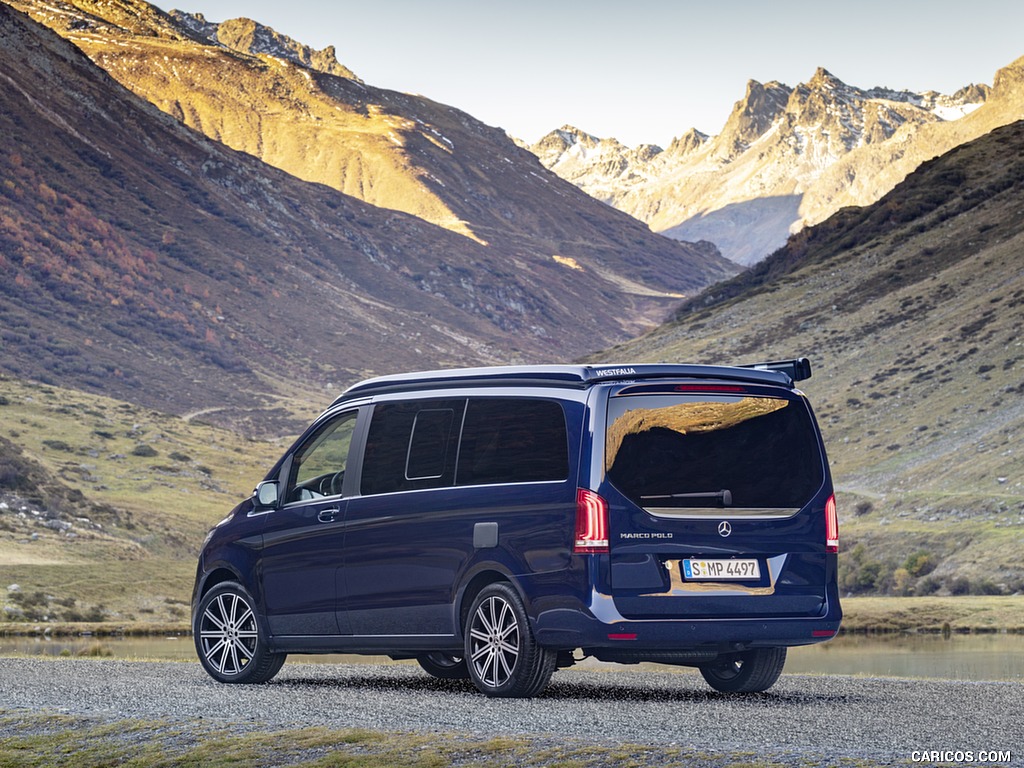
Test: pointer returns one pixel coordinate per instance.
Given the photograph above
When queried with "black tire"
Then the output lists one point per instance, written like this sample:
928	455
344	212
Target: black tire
230	637
444	666
747	672
503	658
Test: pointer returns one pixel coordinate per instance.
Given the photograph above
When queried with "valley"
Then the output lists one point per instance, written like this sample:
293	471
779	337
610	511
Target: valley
204	242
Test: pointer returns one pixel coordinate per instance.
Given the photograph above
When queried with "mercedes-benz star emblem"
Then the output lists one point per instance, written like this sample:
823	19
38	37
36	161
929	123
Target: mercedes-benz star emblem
724	528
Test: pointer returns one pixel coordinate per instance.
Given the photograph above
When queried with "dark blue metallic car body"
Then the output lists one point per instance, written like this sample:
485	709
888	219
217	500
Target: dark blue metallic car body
402	571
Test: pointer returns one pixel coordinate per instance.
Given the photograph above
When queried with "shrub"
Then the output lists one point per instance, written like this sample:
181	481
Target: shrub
902	582
920	564
12	477
988	587
860	573
58	445
863	508
960	585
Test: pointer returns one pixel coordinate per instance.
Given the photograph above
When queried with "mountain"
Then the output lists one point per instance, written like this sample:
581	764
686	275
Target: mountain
248	36
246	86
910	310
785	158
146	261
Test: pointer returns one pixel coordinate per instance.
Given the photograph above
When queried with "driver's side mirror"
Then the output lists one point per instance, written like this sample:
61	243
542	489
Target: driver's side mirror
265	496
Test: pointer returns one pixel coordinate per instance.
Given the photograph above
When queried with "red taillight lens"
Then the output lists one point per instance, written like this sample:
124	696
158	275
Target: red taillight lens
831	525
591	523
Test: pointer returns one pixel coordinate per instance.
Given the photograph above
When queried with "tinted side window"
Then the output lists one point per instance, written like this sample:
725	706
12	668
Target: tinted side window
431	430
506	440
411	445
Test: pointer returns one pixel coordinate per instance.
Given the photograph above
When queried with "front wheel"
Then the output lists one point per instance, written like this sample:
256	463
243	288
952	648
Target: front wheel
747	672
502	655
230	639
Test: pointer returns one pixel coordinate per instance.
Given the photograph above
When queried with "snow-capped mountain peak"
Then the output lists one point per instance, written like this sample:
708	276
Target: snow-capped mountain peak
771	169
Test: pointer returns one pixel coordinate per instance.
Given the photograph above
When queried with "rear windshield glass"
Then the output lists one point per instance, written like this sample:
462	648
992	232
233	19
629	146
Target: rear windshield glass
692	452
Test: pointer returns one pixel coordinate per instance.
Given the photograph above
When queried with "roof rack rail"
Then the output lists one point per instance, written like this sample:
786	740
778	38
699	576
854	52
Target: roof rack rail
798	369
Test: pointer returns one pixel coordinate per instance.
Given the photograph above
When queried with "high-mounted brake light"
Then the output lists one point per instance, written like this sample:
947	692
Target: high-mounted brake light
732	388
831	525
591	523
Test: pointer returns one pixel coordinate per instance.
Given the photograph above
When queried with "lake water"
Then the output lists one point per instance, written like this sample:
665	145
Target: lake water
959	657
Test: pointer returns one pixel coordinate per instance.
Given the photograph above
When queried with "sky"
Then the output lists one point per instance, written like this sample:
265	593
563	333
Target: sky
640	71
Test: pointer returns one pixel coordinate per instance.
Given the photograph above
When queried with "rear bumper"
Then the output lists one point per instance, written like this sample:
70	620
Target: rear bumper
599	625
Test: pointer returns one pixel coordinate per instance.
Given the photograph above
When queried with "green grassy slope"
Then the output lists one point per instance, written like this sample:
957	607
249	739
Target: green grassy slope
911	310
104	504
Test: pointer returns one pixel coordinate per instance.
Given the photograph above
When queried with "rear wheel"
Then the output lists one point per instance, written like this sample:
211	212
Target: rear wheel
230	639
747	672
444	666
502	655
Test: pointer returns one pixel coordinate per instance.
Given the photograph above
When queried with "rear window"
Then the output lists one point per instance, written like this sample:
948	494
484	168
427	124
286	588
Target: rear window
688	454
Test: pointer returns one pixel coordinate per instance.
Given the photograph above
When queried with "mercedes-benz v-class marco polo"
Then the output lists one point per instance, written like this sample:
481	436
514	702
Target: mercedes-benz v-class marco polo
499	523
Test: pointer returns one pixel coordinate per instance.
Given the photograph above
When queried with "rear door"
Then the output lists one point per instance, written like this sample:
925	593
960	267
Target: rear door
445	479
403	544
717	495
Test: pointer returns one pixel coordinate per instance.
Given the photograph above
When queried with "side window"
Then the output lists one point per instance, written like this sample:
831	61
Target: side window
411	445
431	430
318	469
508	440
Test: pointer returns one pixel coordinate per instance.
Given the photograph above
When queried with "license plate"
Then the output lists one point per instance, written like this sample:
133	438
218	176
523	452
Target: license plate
721	570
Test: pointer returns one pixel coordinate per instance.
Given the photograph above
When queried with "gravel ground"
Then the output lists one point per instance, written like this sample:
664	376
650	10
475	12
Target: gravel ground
818	720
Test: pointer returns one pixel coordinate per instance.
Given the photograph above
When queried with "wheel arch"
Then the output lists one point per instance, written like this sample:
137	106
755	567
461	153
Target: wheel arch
216	576
481	578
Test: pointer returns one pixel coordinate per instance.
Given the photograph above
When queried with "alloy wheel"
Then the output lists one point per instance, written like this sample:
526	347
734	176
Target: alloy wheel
494	641
228	634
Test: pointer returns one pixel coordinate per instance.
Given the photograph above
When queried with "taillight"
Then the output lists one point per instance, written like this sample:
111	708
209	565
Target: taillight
831	525
591	523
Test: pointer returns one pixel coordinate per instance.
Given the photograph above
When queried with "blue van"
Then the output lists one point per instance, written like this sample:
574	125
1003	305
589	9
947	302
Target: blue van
497	524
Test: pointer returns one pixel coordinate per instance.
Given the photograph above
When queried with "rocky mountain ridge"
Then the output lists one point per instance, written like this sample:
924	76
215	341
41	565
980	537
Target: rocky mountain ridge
248	36
785	158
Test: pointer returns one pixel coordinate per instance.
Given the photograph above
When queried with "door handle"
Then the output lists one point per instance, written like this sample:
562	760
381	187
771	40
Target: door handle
328	515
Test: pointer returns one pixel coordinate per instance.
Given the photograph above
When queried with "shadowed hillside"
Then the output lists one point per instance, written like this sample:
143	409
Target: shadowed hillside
911	310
